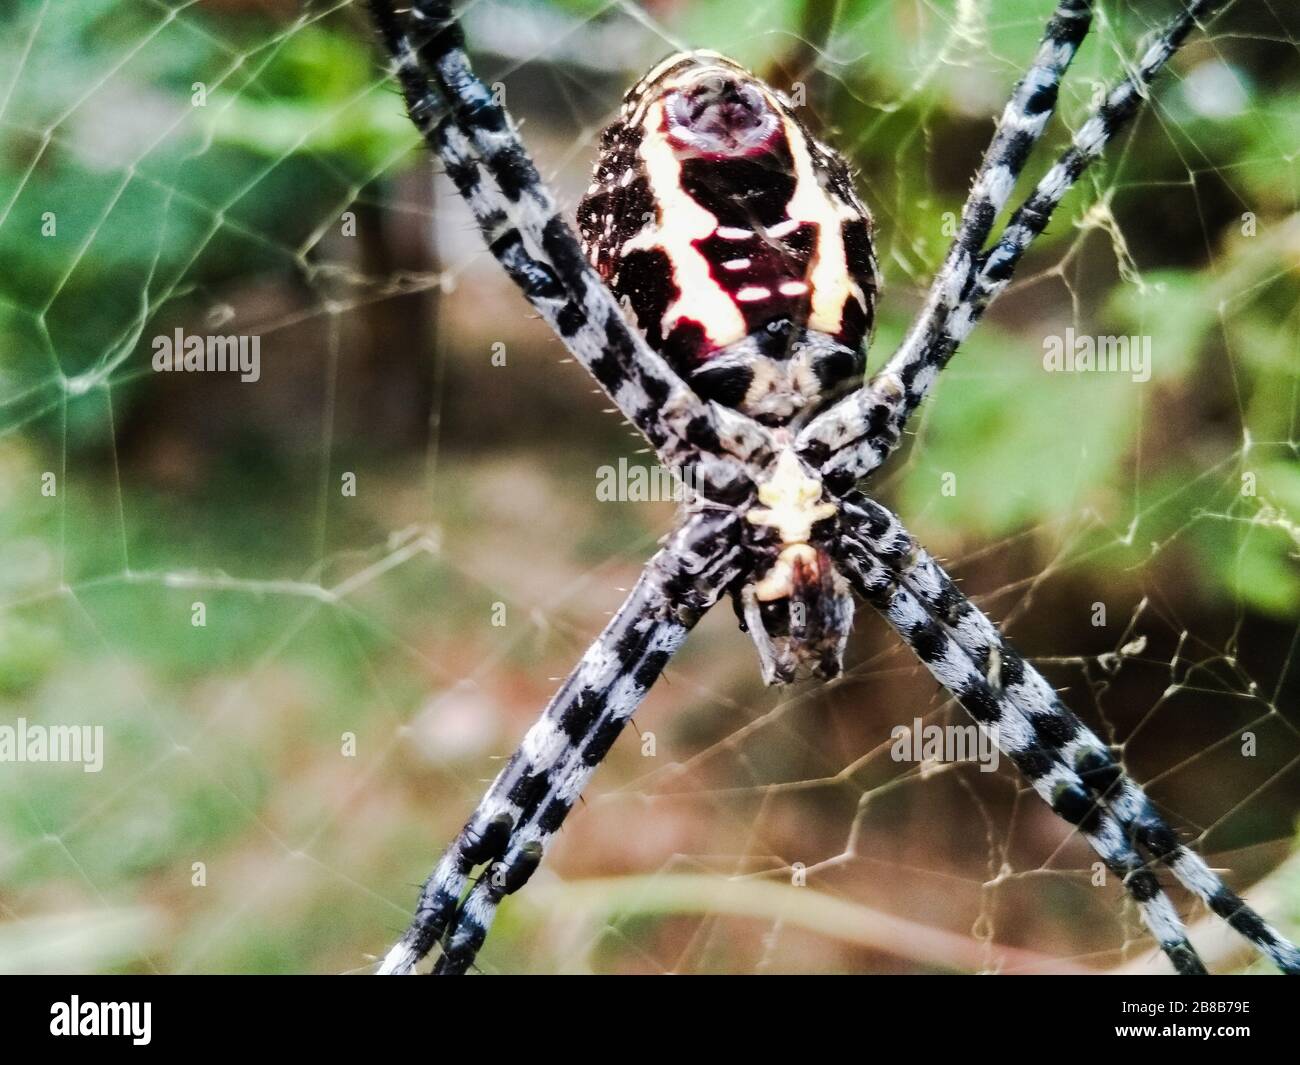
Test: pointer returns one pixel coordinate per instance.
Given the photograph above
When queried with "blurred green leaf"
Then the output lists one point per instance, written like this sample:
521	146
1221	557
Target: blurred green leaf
1014	444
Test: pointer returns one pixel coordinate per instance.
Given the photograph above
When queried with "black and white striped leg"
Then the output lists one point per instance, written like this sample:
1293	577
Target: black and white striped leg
725	465
866	415
488	163
531	796
1022	690
1032	104
1055	782
853	437
1122	102
1023	120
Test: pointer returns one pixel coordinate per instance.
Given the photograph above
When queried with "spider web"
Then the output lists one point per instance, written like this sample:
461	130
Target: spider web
313	612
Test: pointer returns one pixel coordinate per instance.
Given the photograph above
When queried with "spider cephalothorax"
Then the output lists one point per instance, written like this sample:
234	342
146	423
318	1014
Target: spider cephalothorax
742	250
736	238
796	606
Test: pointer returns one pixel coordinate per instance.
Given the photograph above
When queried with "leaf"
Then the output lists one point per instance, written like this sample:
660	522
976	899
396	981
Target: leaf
1022	444
1170	307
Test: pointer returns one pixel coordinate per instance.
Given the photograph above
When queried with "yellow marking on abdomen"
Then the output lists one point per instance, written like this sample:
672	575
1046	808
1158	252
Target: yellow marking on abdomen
828	273
699	297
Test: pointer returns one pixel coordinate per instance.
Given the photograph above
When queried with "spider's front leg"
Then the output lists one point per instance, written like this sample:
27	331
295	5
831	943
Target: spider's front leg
532	795
948	631
1057	783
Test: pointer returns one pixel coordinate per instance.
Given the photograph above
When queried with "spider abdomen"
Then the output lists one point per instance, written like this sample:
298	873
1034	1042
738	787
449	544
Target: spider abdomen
735	238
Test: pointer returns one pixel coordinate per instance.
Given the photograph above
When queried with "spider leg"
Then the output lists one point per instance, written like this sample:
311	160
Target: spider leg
709	457
854	436
1021	689
1056	783
530	797
526	233
1023	120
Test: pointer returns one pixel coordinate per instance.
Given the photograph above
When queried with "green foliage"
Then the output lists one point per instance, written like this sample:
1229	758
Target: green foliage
235	148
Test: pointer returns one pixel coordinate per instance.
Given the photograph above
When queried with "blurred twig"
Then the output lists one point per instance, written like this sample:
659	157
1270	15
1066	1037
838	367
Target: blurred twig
600	901
88	941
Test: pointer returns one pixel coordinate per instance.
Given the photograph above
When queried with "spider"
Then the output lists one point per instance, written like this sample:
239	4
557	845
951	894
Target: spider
738	244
